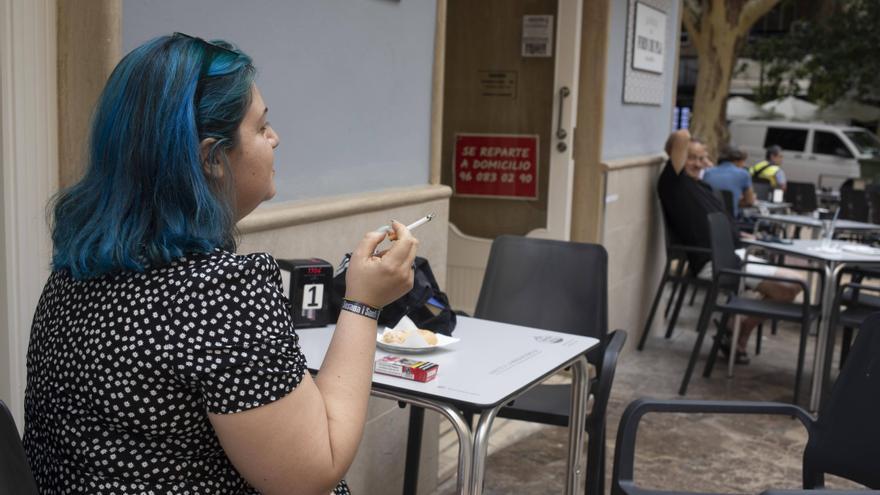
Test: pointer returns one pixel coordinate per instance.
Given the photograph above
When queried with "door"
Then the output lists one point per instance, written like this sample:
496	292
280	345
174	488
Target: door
509	109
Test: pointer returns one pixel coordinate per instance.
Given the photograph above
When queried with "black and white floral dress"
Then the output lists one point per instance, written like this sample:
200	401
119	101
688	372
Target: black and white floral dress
124	369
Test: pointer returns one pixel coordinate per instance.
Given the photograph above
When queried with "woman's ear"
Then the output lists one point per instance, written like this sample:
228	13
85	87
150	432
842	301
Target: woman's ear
207	155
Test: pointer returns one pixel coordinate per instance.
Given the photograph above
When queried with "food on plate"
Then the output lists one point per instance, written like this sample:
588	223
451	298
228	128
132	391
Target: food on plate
429	336
398	337
395	337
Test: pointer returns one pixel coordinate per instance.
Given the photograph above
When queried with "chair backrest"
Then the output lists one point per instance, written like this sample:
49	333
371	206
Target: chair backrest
853	204
874	202
723	250
846	440
801	195
548	284
763	189
726	198
15	472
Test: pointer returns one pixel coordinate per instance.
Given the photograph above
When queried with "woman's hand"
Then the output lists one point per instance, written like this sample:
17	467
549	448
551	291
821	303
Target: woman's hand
379	279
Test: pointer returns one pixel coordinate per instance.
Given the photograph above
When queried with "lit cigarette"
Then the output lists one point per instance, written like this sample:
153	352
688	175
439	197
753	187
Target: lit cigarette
418	223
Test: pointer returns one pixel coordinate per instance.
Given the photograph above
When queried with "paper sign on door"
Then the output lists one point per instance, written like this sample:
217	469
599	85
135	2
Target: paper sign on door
499	166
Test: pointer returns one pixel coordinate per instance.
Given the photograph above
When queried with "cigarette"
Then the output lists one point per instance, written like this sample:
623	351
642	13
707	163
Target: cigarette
418	223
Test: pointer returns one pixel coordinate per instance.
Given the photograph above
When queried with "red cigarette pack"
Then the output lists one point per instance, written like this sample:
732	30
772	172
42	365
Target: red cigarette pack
410	369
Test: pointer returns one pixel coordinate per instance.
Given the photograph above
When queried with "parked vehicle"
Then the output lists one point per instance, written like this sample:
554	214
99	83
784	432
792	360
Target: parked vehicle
824	154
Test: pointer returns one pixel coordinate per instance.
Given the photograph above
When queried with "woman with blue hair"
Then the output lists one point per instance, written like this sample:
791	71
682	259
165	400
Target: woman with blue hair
159	360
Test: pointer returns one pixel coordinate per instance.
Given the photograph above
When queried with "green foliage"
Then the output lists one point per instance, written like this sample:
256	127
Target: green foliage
837	55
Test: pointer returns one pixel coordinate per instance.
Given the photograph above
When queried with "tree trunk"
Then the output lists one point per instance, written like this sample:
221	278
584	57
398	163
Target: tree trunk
716	29
717	56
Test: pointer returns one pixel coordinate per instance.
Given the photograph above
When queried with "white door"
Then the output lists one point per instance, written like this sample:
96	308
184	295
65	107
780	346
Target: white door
548	216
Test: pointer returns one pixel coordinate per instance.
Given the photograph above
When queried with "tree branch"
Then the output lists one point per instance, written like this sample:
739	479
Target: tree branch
690	17
751	12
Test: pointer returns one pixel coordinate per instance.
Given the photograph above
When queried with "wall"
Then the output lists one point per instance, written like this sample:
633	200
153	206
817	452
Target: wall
29	164
348	83
634	136
632	130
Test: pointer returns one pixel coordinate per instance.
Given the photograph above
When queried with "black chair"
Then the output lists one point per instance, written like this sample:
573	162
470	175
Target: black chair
560	286
802	196
874	203
763	189
852	305
15	472
844	441
680	274
853	205
726	198
727	270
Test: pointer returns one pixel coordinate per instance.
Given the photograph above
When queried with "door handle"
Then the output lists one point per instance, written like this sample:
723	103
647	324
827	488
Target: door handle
560	131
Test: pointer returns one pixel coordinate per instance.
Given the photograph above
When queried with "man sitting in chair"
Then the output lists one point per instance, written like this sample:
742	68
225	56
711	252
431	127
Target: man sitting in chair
731	175
686	202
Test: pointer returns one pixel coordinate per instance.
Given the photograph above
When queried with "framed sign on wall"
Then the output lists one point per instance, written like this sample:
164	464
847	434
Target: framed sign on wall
649	39
647	45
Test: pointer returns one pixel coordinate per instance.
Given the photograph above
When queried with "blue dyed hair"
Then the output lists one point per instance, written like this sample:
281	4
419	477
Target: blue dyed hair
145	198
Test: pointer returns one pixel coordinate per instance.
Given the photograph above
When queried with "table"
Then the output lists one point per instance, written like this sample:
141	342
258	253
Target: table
771	206
816	224
493	364
832	263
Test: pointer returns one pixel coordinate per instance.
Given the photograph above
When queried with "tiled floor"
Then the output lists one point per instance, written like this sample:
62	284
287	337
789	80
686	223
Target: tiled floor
733	454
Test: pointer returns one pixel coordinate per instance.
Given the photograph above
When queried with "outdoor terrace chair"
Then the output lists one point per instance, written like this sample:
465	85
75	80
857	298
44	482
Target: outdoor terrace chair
854	204
763	189
727	270
15	473
560	286
678	272
802	196
853	304
844	441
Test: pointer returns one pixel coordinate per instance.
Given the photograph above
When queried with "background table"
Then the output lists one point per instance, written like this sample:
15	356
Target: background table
816	224
493	364
832	263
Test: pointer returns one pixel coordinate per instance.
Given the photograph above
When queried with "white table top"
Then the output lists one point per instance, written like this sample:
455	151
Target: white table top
491	364
803	220
810	248
770	205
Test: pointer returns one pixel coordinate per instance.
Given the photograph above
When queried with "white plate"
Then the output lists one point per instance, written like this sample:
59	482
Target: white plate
861	249
442	341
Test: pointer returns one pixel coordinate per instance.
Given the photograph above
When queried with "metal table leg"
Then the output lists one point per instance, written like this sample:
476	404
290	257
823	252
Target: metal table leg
465	438
413	450
832	271
580	384
481	448
580	389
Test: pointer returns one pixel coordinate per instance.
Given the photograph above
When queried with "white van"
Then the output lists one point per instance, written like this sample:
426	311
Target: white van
824	154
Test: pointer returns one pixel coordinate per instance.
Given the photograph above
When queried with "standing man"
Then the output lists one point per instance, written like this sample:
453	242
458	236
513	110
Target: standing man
770	169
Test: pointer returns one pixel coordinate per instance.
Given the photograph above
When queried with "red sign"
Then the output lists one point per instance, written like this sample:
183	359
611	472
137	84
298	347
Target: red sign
500	166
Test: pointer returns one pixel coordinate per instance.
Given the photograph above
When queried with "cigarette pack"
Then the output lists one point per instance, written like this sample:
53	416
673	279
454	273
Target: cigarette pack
410	369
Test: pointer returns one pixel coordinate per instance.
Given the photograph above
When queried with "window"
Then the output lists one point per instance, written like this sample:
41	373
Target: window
827	143
867	143
788	139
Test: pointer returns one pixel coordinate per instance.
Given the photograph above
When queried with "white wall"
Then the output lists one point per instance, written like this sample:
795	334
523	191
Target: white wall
632	130
632	146
348	83
29	167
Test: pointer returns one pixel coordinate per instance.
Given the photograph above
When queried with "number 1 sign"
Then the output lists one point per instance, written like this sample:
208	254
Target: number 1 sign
307	285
